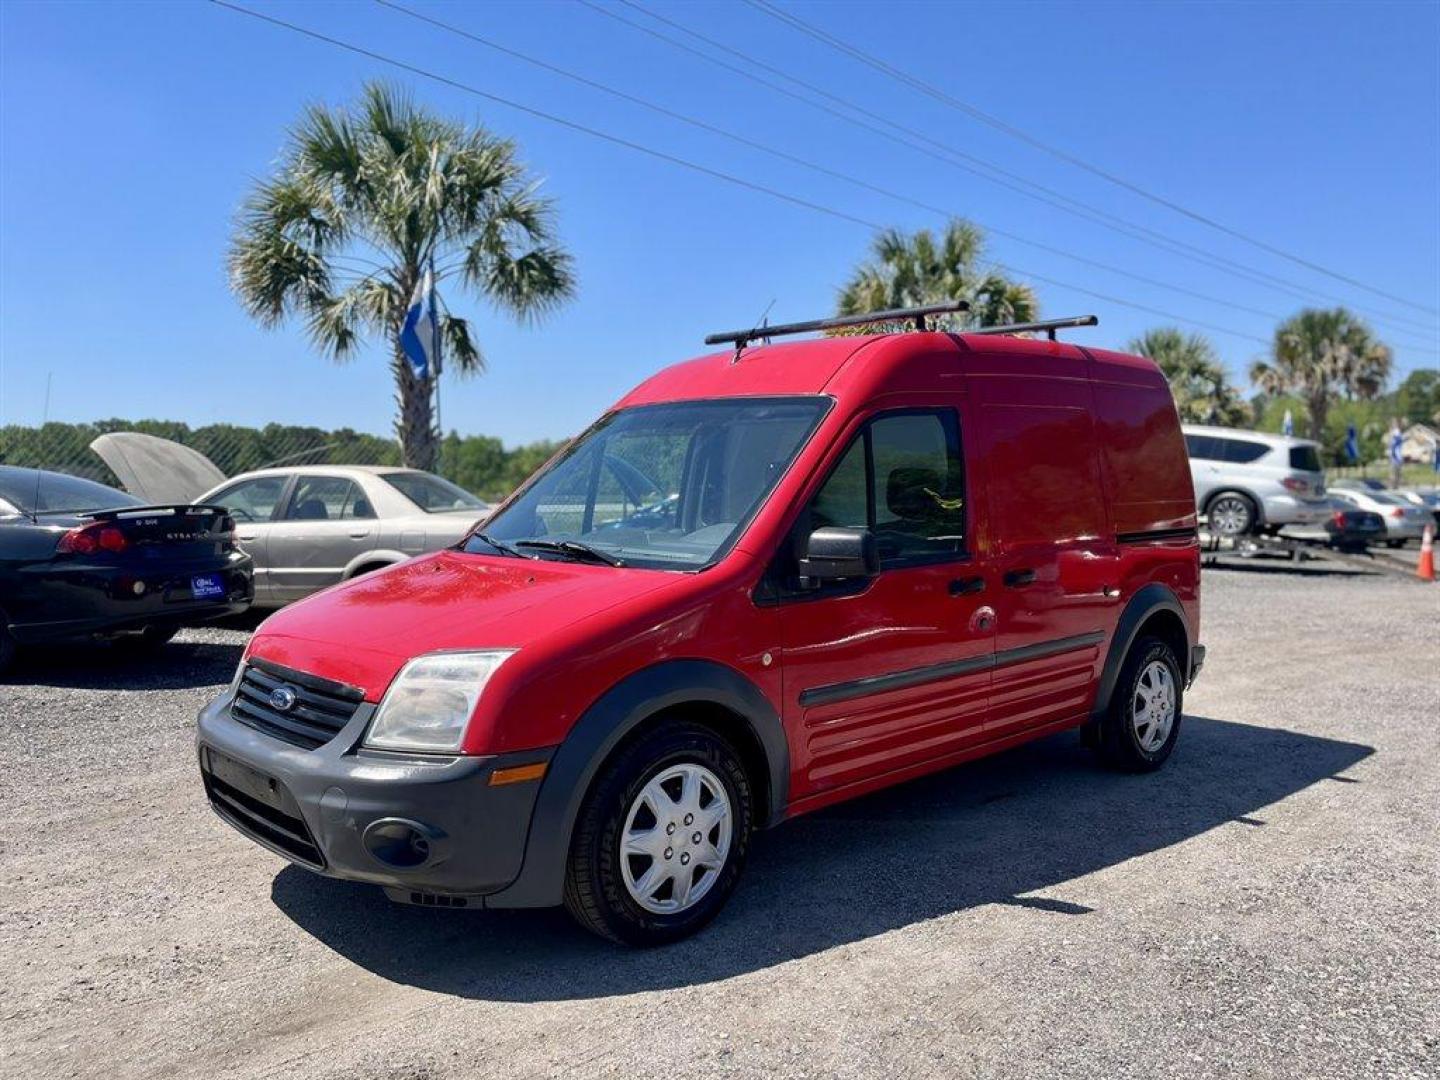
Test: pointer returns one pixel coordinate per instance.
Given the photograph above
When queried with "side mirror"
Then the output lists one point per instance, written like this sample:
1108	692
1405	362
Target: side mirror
834	554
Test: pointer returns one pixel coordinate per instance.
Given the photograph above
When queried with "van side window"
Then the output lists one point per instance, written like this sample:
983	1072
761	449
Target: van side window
903	477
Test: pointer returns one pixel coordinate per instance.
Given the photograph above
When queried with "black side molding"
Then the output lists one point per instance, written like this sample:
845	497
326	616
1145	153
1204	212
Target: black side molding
1156	535
898	680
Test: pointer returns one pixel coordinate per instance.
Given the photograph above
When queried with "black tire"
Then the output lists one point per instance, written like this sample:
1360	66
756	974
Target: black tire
1395	543
147	641
595	890
1232	513
1117	739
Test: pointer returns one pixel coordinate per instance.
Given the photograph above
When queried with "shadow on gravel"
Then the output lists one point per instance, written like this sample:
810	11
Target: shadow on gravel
179	665
989	832
1288	568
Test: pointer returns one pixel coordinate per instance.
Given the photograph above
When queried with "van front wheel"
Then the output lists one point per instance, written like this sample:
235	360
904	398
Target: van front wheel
662	837
1139	729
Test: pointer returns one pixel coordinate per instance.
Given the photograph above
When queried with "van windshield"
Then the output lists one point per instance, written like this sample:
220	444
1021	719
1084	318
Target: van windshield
664	486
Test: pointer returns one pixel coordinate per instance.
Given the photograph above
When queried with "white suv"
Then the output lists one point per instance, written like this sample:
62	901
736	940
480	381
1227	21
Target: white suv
1248	481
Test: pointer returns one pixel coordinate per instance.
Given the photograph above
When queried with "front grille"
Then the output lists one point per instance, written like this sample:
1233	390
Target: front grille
321	707
262	822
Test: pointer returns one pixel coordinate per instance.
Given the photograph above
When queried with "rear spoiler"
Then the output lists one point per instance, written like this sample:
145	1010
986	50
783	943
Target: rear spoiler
177	509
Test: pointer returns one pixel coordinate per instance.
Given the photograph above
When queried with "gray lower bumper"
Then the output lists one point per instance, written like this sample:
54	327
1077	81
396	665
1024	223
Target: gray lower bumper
347	813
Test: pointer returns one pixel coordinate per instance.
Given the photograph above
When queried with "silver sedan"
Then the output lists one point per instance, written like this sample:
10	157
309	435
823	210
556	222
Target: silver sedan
307	527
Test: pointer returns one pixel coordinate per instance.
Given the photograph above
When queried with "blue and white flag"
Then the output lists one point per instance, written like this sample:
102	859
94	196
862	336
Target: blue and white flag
1287	426
1352	444
420	333
1396	441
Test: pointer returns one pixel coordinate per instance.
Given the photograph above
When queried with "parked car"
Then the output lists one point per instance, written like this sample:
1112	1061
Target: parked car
1360	483
1249	481
1351	529
79	560
308	527
1403	520
1427	498
888	554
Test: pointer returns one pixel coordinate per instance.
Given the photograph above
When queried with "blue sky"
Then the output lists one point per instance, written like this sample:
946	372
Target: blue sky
129	134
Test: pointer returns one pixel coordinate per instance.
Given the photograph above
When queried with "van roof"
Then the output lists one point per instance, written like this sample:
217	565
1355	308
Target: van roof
816	366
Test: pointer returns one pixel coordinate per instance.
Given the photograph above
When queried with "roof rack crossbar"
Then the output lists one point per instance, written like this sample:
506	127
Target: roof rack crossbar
741	338
1049	326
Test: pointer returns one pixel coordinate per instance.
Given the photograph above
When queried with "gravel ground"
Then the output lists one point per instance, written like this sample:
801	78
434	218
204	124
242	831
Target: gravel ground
1267	905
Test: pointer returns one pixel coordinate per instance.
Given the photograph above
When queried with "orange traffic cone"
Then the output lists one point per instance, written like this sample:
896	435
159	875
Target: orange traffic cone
1425	570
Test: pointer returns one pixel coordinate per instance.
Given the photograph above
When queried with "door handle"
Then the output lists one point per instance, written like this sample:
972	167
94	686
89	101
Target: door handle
1015	579
966	585
245	536
360	535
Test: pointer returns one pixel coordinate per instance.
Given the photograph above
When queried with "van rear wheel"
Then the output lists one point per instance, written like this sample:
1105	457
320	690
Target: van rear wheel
661	838
1139	729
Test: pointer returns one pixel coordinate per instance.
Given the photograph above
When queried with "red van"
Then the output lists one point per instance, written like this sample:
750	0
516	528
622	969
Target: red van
767	580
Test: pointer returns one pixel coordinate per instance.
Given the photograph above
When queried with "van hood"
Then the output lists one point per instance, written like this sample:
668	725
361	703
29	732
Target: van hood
363	631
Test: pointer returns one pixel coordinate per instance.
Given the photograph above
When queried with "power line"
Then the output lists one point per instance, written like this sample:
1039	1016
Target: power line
705	170
894	131
998	124
812	165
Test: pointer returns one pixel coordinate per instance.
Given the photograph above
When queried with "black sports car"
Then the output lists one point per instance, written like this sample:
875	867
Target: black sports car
82	560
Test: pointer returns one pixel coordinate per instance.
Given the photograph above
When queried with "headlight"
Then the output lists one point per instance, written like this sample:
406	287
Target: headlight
430	701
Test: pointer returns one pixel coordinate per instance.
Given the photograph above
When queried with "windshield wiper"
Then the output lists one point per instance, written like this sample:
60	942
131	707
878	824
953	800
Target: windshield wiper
573	548
500	546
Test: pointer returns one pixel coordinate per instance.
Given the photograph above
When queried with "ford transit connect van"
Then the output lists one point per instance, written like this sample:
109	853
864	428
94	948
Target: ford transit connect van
767	580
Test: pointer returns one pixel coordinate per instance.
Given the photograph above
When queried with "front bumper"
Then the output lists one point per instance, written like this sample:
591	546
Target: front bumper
428	828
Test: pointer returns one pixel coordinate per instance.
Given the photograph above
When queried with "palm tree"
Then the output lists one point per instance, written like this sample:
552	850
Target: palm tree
1322	355
1202	390
364	200
918	269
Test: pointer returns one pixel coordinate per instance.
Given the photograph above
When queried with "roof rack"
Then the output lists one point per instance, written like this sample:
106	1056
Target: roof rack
741	338
1049	326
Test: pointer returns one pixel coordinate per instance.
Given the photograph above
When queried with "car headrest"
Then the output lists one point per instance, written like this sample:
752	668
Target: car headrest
361	509
918	494
311	510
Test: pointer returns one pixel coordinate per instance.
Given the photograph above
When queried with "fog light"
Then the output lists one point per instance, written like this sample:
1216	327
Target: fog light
138	588
400	844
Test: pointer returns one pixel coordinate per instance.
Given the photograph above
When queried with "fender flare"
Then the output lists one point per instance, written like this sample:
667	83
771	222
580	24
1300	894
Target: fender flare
1146	602
382	556
613	716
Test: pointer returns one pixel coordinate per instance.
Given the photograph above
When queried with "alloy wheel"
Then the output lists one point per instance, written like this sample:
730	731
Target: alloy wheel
1230	515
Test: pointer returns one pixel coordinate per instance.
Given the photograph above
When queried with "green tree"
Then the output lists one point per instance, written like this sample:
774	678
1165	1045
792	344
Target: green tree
1418	397
366	198
1202	390
911	270
1322	356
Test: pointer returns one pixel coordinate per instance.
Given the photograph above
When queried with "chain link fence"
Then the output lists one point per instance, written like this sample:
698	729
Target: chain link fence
479	463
